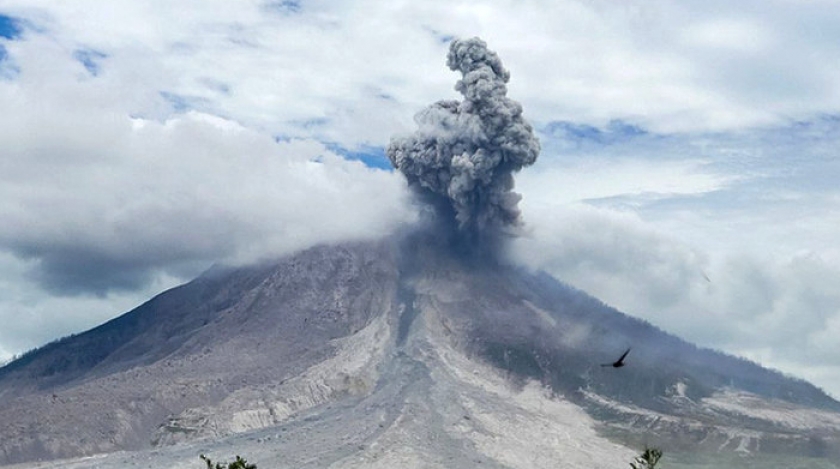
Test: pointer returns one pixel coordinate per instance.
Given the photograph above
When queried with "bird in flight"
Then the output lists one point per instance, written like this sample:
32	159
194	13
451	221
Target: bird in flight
618	363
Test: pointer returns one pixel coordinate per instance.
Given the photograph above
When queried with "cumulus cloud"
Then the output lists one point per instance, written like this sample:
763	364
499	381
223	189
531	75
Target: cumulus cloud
781	311
177	195
728	241
98	200
658	65
614	256
464	153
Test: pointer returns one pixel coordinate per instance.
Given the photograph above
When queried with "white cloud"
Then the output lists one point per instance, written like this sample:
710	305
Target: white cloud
193	188
591	179
782	312
102	209
356	71
729	34
727	240
102	199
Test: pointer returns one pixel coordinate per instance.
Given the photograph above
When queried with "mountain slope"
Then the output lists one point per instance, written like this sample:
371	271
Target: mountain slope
191	346
396	353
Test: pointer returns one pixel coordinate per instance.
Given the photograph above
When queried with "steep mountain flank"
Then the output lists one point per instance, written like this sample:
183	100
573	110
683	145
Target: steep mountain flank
395	353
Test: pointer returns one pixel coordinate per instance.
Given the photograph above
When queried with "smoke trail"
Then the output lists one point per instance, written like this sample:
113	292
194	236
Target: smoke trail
464	153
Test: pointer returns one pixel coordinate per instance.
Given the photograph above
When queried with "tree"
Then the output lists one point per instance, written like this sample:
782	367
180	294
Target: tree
647	460
239	463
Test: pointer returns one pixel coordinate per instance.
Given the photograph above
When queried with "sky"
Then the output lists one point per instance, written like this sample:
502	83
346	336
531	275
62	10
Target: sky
687	175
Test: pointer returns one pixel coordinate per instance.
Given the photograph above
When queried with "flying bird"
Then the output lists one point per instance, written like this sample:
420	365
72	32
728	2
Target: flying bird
618	363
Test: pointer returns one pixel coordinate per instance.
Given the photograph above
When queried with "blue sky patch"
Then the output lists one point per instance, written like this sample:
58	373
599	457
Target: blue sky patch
216	86
372	157
8	69
282	138
184	103
9	27
286	7
441	37
179	103
616	131
314	123
90	59
386	97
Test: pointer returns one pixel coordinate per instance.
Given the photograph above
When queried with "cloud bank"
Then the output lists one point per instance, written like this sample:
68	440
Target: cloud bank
175	196
96	200
727	240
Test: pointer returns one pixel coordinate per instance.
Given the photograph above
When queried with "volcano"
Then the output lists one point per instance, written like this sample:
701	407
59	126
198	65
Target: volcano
394	353
423	349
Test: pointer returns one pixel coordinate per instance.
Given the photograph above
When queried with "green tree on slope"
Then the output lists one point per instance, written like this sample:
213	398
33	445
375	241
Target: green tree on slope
239	463
647	460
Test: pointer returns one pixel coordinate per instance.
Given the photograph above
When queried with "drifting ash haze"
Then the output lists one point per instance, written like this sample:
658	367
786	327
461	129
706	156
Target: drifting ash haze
398	354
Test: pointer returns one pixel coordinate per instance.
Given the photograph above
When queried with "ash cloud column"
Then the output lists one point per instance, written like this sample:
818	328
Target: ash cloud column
462	157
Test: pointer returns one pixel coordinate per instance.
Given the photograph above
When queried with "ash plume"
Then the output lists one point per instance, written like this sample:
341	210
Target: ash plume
463	155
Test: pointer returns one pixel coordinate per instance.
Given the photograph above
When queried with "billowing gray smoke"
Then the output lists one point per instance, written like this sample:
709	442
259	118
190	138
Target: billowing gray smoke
464	153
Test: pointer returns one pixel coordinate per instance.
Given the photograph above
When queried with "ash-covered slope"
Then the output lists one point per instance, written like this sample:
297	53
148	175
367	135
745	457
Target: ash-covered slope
115	386
671	393
223	307
393	354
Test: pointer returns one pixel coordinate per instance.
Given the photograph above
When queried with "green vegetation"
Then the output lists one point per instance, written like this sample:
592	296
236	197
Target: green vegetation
239	463
647	460
651	457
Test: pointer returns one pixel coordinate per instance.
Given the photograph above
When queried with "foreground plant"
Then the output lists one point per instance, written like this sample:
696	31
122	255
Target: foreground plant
239	463
647	460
